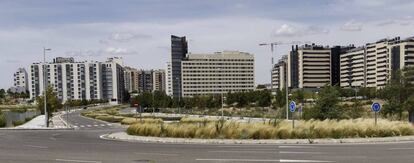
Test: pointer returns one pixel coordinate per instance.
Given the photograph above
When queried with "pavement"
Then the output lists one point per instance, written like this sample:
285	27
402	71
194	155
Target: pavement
38	123
85	146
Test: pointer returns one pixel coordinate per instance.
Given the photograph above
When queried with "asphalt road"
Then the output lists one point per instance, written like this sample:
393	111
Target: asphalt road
85	146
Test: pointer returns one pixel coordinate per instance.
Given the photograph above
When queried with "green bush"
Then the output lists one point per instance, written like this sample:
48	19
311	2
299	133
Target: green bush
2	120
18	123
110	118
283	130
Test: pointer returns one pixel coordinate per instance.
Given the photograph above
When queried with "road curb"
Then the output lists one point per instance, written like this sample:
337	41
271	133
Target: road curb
123	136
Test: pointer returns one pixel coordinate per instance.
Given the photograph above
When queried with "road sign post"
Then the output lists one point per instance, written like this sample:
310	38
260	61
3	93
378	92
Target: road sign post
292	108
376	107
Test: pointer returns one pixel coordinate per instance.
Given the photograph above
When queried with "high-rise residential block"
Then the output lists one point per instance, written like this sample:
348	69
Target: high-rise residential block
78	80
20	81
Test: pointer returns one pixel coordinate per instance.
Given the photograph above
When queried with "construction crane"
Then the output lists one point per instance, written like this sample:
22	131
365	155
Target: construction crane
273	46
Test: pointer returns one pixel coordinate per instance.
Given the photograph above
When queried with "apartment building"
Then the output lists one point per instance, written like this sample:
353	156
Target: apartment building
221	72
309	66
169	86
78	80
279	74
131	79
158	80
20	81
374	64
352	66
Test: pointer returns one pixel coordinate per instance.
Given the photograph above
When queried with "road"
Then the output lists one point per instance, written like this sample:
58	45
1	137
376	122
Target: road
84	146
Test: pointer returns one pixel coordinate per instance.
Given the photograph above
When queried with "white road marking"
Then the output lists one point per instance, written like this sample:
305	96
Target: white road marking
160	154
238	160
102	125
109	124
401	148
83	161
82	126
96	125
75	126
259	160
241	151
296	146
296	152
284	160
36	146
89	125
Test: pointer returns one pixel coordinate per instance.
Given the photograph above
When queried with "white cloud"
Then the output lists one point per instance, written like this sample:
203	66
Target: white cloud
291	31
352	25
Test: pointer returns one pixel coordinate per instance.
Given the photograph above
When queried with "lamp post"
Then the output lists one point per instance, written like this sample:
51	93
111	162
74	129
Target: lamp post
45	85
179	95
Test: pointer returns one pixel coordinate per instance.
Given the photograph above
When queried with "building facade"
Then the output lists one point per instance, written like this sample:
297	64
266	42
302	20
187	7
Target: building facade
279	74
78	80
221	72
374	64
179	51
20	81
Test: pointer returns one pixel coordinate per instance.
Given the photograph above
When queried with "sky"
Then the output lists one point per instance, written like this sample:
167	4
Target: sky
139	30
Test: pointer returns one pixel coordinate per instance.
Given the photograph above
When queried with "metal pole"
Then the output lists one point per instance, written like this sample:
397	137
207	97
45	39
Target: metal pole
293	120
287	93
222	108
375	118
45	87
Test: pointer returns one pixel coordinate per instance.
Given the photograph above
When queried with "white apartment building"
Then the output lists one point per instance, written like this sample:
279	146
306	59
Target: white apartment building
168	76
20	80
279	74
78	80
221	72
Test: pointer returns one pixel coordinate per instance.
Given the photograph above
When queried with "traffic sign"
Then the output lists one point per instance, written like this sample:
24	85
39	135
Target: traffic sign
376	107
292	106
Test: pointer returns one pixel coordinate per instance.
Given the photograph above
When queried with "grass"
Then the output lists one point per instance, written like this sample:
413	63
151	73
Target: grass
130	121
357	128
17	108
2	120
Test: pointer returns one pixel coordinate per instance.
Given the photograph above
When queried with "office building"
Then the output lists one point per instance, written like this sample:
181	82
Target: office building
179	51
78	80
221	72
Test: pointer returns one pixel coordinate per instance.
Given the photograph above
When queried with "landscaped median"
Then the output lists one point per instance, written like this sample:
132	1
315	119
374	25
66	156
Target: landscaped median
312	129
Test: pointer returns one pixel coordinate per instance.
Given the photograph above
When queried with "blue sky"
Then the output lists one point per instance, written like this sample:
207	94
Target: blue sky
139	30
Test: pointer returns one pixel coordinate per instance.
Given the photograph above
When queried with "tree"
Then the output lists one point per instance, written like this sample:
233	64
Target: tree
2	93
52	102
280	99
397	92
326	106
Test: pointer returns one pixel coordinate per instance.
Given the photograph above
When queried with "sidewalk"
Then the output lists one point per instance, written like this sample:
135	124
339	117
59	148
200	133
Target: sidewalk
123	136
38	123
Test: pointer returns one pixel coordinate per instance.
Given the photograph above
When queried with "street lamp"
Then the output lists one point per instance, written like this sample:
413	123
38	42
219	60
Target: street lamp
45	85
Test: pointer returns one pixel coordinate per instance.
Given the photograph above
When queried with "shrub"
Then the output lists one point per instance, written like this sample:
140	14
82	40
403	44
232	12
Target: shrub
283	130
110	118
130	121
18	123
2	120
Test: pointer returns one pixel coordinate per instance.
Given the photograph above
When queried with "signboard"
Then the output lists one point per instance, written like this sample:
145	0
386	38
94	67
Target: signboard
292	106
376	107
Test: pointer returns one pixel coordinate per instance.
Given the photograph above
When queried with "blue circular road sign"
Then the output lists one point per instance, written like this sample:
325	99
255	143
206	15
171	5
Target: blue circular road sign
376	107
292	106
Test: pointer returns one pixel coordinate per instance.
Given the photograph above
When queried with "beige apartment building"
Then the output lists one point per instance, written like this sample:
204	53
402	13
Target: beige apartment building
374	64
353	68
221	72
